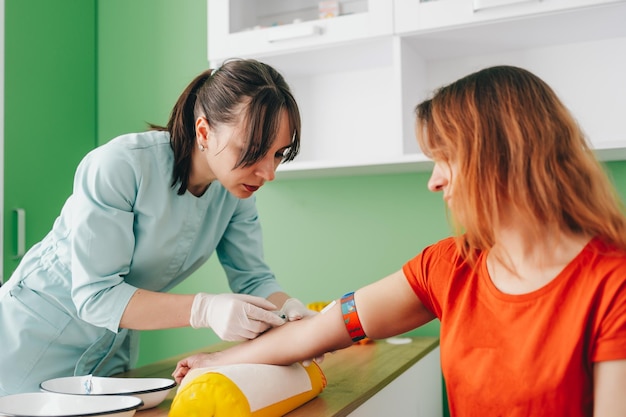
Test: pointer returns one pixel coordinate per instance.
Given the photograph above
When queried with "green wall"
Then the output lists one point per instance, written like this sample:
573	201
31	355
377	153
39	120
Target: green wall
148	51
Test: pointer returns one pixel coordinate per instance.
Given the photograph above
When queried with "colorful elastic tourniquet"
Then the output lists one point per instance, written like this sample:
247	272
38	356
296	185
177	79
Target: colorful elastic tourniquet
351	317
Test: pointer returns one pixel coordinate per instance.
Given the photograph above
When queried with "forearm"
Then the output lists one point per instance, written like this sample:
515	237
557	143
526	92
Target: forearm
149	310
293	342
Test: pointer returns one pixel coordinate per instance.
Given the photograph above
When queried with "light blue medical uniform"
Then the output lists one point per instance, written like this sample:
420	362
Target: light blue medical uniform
124	227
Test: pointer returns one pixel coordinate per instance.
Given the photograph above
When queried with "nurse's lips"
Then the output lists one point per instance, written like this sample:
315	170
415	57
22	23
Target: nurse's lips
251	188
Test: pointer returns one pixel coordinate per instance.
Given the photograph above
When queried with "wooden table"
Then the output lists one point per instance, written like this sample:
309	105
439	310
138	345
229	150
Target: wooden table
362	380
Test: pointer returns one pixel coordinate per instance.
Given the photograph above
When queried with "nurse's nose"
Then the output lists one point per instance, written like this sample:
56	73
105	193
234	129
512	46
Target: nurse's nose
266	168
438	180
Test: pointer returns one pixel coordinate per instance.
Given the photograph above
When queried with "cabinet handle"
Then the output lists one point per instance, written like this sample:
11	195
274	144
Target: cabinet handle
293	31
487	4
21	232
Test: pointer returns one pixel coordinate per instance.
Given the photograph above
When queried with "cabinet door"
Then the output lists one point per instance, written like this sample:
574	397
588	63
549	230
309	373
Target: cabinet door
49	108
414	15
413	393
243	28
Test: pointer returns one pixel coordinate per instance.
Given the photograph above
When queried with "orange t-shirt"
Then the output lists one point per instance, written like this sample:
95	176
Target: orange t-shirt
530	354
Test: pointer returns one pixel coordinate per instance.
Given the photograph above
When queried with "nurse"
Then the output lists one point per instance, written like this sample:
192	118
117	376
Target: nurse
147	210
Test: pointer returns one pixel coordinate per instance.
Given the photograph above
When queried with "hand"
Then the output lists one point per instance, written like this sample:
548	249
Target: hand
293	310
233	317
199	360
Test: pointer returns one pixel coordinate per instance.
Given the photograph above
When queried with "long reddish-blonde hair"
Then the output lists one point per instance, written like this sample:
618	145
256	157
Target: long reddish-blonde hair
515	145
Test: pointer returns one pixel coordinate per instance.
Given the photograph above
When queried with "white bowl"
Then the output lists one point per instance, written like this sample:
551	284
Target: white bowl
51	404
152	391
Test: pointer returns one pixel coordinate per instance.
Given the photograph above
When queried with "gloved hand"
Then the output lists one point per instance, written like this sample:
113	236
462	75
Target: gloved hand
293	309
233	317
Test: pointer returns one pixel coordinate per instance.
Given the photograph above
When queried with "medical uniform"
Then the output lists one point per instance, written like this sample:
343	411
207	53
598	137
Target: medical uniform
124	227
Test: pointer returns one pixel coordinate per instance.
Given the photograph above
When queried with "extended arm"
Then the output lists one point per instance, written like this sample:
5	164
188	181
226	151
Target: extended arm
386	308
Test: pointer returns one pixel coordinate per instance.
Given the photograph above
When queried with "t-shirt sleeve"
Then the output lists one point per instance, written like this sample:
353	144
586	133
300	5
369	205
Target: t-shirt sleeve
429	274
611	325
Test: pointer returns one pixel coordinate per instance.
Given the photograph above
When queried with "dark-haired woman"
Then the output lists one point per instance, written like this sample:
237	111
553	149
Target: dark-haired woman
146	211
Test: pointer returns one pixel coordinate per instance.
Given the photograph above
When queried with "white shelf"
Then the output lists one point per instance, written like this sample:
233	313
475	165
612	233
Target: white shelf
611	151
401	165
318	169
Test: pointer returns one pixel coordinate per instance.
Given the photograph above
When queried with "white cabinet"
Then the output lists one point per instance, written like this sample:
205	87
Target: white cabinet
346	81
350	96
241	28
580	50
416	392
358	91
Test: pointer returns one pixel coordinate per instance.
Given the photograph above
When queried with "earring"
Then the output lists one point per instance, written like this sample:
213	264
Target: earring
201	147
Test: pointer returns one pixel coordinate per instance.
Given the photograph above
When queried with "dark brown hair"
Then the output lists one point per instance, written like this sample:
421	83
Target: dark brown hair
515	143
215	94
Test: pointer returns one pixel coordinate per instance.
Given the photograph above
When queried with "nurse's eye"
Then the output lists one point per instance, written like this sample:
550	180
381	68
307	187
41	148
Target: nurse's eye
281	154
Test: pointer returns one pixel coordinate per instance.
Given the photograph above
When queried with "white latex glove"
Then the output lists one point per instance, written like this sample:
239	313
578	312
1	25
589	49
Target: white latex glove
293	309
233	317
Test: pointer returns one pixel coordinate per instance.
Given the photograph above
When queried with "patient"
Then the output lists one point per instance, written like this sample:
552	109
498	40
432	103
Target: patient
531	290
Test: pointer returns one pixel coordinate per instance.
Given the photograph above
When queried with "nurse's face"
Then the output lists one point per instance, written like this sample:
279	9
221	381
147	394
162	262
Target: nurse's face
224	145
